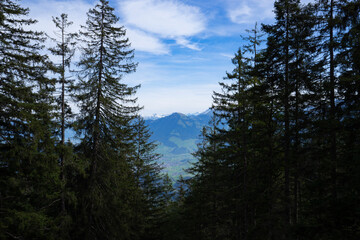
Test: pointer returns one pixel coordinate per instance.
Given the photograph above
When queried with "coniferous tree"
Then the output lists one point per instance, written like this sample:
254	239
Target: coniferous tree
206	200
106	111
64	49
349	88
286	41
154	195
29	167
254	40
223	165
279	161
231	107
300	104
320	174
338	21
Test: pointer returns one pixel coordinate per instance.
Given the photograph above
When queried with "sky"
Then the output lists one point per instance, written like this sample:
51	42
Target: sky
183	47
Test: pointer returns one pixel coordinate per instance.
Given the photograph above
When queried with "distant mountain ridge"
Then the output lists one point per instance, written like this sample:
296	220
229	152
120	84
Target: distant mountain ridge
177	135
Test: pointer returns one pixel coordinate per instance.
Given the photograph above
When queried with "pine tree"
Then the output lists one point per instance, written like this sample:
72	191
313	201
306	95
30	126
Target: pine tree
29	167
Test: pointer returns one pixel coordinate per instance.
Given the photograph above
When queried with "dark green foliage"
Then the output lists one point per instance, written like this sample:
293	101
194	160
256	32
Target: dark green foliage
107	186
29	166
284	166
65	50
105	125
280	159
155	188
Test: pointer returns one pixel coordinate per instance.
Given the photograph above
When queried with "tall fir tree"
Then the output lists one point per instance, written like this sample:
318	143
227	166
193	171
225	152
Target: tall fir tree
223	163
154	193
65	50
286	41
29	168
104	124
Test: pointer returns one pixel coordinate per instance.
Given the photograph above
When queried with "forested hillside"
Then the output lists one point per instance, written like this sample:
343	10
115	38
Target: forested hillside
279	159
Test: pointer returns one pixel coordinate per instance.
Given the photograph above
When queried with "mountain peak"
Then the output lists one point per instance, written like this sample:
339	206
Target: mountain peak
156	116
177	114
206	112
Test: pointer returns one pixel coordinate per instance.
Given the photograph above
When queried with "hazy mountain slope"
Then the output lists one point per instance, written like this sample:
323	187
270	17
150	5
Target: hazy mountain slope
177	135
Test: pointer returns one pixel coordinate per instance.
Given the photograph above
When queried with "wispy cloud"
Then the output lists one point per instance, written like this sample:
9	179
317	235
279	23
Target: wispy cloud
227	55
44	10
241	14
249	11
186	43
167	19
142	41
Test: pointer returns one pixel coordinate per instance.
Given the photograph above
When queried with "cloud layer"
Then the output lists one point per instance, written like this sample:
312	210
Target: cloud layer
146	42
164	19
250	11
148	22
44	10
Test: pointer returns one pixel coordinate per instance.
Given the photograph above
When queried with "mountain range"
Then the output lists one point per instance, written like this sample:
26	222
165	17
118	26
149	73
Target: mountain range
177	136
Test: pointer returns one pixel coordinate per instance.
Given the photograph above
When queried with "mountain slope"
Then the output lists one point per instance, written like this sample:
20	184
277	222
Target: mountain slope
177	135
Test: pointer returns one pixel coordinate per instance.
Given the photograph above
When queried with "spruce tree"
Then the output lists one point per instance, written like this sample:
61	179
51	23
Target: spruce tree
65	43
152	202
320	187
232	107
284	35
104	124
254	40
29	167
205	200
343	115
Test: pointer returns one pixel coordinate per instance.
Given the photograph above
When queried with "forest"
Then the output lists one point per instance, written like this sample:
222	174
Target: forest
280	158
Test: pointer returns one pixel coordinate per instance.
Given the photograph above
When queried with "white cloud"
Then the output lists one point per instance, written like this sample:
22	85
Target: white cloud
167	19
240	15
44	10
227	55
142	41
250	11
186	43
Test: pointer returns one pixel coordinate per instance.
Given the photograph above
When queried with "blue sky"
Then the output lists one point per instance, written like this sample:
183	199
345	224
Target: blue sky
184	47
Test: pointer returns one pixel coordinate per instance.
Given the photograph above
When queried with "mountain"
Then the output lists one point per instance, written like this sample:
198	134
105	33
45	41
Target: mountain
177	135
